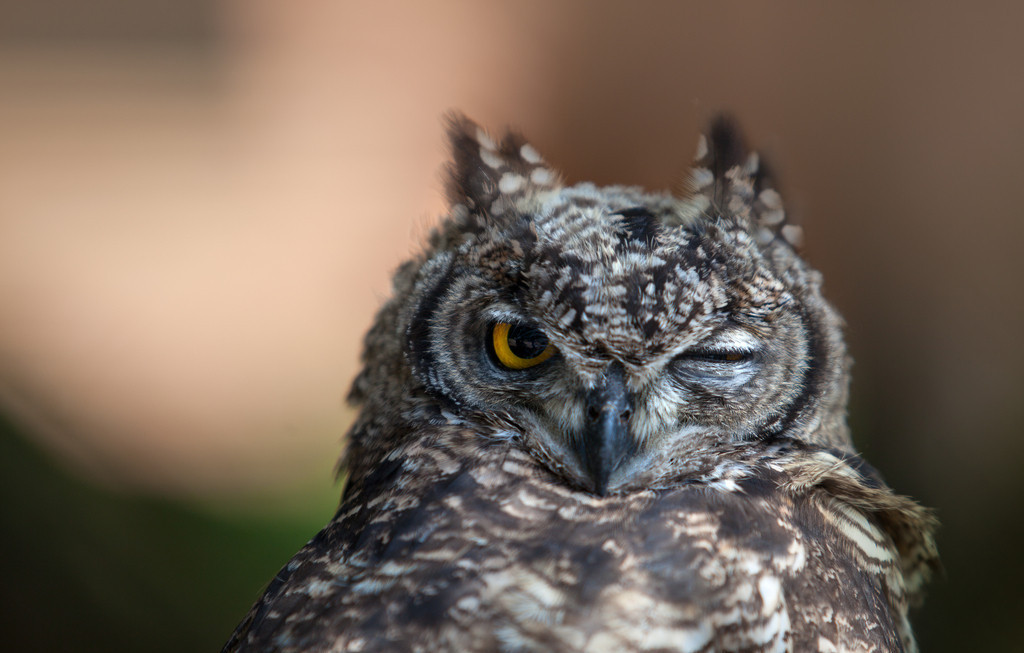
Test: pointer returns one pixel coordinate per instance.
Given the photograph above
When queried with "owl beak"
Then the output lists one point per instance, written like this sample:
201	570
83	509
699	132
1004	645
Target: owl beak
606	442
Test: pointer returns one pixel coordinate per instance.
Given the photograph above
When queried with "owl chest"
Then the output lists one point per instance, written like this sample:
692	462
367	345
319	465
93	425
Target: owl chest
528	566
488	561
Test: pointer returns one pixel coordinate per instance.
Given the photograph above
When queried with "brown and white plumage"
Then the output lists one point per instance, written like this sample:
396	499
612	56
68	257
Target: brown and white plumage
674	473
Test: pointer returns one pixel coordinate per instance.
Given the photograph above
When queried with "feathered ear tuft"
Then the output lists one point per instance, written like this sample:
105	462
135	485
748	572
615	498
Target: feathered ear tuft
488	176
729	180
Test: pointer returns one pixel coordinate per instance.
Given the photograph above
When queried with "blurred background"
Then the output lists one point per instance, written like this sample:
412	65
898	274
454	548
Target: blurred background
201	204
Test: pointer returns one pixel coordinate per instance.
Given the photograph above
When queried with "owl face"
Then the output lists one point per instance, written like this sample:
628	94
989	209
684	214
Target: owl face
614	333
608	330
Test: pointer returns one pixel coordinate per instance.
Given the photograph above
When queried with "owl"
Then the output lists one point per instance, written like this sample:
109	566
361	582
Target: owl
604	419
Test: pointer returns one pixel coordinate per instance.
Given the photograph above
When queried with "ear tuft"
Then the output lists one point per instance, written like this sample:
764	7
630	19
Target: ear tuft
729	180
489	176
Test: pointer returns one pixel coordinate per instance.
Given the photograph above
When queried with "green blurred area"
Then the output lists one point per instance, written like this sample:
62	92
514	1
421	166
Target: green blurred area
89	569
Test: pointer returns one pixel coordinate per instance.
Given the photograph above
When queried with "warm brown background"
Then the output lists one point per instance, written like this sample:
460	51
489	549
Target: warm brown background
201	204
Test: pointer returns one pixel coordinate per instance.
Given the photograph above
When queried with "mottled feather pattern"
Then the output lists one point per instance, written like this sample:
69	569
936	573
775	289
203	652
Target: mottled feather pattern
679	476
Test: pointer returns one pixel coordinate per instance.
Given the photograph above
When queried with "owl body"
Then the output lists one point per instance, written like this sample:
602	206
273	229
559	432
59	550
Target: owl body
601	419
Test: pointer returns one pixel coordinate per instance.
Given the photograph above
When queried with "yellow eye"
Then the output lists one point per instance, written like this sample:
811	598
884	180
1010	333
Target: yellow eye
518	346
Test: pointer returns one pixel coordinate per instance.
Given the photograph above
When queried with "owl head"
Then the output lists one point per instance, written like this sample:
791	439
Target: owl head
615	334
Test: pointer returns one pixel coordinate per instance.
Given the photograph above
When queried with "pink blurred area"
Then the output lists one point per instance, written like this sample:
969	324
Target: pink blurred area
195	233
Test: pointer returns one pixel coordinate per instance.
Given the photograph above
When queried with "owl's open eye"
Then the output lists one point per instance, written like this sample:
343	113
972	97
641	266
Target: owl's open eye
519	346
